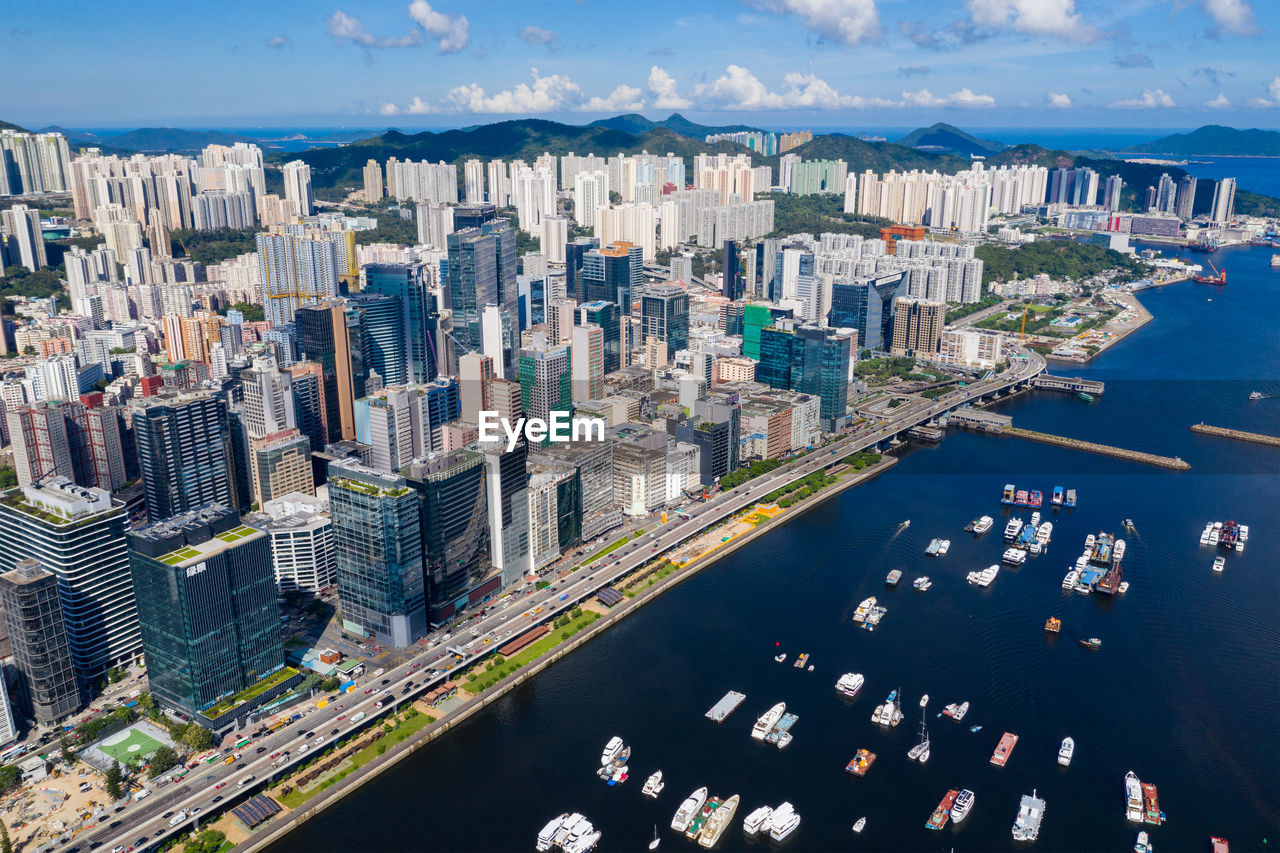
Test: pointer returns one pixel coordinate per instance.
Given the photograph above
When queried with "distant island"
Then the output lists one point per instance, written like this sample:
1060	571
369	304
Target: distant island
951	139
1214	139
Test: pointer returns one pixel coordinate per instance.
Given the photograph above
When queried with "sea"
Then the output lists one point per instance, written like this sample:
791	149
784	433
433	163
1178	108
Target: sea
1183	691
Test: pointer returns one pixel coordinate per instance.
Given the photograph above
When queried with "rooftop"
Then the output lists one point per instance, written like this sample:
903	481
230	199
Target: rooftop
190	554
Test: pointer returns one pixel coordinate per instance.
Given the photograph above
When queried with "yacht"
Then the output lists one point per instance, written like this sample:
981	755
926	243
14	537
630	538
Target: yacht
1070	580
611	750
1117	551
765	724
1045	533
1204	535
689	810
653	785
567	827
960	808
863	609
922	583
850	683
859	824
783	822
943	547
583	839
718	822
1026	827
983	525
1013	528
924	701
1065	752
1035	519
984	577
1014	556
1143	842
1132	797
758	819
548	833
1035	547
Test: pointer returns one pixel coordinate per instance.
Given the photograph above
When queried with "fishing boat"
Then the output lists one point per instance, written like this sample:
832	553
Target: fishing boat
982	525
1151	805
689	810
922	583
653	785
942	813
1053	624
1143	843
1085	396
861	763
1057	496
891	579
859	824
765	724
1004	749
1066	751
960	808
1132	798
850	683
1071	499
1091	643
754	822
1026	827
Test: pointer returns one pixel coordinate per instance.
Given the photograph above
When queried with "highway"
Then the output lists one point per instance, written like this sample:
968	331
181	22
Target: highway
211	788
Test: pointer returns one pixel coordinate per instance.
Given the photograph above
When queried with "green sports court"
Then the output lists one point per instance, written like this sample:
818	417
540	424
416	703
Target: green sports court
131	746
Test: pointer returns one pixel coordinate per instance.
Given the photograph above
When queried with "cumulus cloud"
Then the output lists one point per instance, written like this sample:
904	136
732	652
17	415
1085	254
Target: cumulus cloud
278	41
344	28
1233	16
1219	103
912	70
739	89
1058	100
1150	99
389	110
546	94
536	35
665	94
963	98
1273	89
453	31
850	22
625	98
1033	17
1134	60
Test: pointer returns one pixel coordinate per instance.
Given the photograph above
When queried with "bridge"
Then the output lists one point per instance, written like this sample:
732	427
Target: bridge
1072	385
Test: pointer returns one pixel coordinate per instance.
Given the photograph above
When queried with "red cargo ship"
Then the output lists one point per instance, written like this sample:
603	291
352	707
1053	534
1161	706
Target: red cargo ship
939	817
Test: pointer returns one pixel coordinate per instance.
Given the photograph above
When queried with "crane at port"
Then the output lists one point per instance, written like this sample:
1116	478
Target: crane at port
1219	275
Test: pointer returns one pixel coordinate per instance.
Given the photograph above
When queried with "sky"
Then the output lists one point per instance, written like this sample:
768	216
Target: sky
778	64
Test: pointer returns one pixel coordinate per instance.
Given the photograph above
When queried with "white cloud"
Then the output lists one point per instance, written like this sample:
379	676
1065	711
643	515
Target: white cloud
663	87
624	97
454	31
547	94
1259	102
1274	88
1058	100
1219	103
345	28
963	98
849	21
389	110
419	107
1150	98
536	35
1033	17
1234	16
278	41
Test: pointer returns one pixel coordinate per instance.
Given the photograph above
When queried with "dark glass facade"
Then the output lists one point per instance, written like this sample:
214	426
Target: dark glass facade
608	317
185	453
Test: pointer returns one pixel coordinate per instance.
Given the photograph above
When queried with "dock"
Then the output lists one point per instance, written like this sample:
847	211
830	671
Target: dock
1237	434
1174	463
1070	384
728	703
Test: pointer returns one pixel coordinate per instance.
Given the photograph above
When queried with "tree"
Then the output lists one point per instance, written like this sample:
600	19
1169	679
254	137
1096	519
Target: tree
209	841
113	781
68	757
161	760
198	738
6	846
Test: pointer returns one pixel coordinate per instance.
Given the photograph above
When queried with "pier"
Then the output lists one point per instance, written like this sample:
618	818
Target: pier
1173	463
1237	434
980	420
728	703
1072	385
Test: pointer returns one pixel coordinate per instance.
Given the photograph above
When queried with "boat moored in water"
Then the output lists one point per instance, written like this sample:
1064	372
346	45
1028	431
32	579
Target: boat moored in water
1132	798
1026	826
982	525
850	683
1066	751
960	808
689	810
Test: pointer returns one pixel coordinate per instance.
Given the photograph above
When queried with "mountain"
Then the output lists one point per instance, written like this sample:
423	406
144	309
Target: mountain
876	156
636	124
152	139
1215	139
4	125
951	139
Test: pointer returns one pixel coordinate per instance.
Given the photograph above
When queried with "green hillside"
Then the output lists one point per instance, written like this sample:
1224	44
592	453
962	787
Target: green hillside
951	139
1215	139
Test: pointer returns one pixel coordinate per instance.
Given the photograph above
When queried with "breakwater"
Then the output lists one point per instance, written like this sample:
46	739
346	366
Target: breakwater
1173	463
1237	434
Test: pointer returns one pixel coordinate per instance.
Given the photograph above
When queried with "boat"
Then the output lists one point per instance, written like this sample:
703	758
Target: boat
924	701
1220	845
1026	827
752	823
932	549
861	763
1014	556
1204	536
1070	580
891	579
859	824
983	525
1021	498
1123	588
1091	643
1071	498
850	683
1110	582
1035	499
960	808
1035	547
1085	396
873	618
968	528
984	577
567	827
1257	395
689	810
943	547
548	833
801	660
922	583
940	815
653	785
612	750
1219	276
975	729
1143	843
1044	533
1229	535
783	822
955	712
1117	551
1012	529
1066	751
583	838
1151	805
718	822
920	752
890	713
1057	497
1275	263
1128	524
700	820
1053	624
1007	497
865	608
1004	749
1132	797
765	724
1219	563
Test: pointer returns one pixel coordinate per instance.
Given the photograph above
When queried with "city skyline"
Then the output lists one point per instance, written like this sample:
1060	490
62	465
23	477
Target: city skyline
773	63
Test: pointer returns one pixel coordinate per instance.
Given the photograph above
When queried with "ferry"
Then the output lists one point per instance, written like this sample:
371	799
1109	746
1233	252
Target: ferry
1132	798
922	583
548	833
1070	580
764	725
653	785
801	660
1035	499
1142	844
861	763
1151	805
1014	556
1021	498
718	822
1057	497
891	579
1071	499
984	577
943	547
850	683
982	525
1219	563
1092	643
783	822
752	823
1012	529
954	711
1026	827
938	819
867	605
1007	497
1004	749
1053	625
612	750
688	810
960	809
1066	751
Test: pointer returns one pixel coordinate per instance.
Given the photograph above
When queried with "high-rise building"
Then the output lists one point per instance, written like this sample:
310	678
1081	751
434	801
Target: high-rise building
476	378
475	215
1186	197
1166	194
574	258
328	333
297	186
378	545
184	452
409	285
809	359
473	181
207	606
22	225
608	317
280	463
373	188
731	270
587	355
301	532
1223	208
309	411
473	283
78	534
613	274
383	341
267	398
41	446
545	377
867	306
297	266
1115	184
8	729
917	326
47	689
33	163
507	484
664	316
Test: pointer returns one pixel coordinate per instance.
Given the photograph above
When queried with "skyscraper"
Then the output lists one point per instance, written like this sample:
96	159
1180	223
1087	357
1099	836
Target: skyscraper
41	446
587	354
22	224
1114	186
809	359
473	283
507	484
609	318
408	284
267	398
383	341
373	188
867	305
207	606
1166	194
297	186
545	378
328	334
917	326
664	316
574	254
184	452
613	274
378	545
1186	197
1224	200
296	266
731	270
46	684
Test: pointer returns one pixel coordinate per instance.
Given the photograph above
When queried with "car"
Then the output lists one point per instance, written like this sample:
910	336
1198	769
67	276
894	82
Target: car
219	785
195	810
119	848
114	824
245	781
332	732
217	799
166	815
386	681
304	748
141	841
342	717
240	766
320	740
260	750
275	754
367	692
312	734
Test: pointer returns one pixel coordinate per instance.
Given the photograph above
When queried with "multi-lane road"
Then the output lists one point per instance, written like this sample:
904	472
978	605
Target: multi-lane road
211	788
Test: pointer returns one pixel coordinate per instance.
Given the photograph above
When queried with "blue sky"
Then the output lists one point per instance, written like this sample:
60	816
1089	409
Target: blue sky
774	63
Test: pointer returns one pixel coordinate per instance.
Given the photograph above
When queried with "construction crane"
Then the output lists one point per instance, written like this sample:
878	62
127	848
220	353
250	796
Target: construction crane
1023	336
1218	277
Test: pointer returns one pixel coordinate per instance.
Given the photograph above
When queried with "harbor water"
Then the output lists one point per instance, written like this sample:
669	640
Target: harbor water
1183	690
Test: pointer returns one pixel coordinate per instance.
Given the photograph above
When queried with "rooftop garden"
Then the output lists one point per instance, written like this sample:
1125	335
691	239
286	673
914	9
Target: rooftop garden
253	690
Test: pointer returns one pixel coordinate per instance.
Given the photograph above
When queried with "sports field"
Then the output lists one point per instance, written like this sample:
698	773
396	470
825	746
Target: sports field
131	746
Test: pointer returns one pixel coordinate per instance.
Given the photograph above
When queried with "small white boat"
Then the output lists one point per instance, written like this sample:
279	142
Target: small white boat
689	810
1219	563
780	658
653	845
983	525
611	750
924	701
922	583
1123	588
960	808
1204	537
811	667
1143	843
1070	580
1065	752
653	785
859	824
1035	519
943	547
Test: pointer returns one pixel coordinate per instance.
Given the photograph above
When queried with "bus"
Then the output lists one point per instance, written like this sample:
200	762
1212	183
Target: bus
241	744
16	751
357	718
